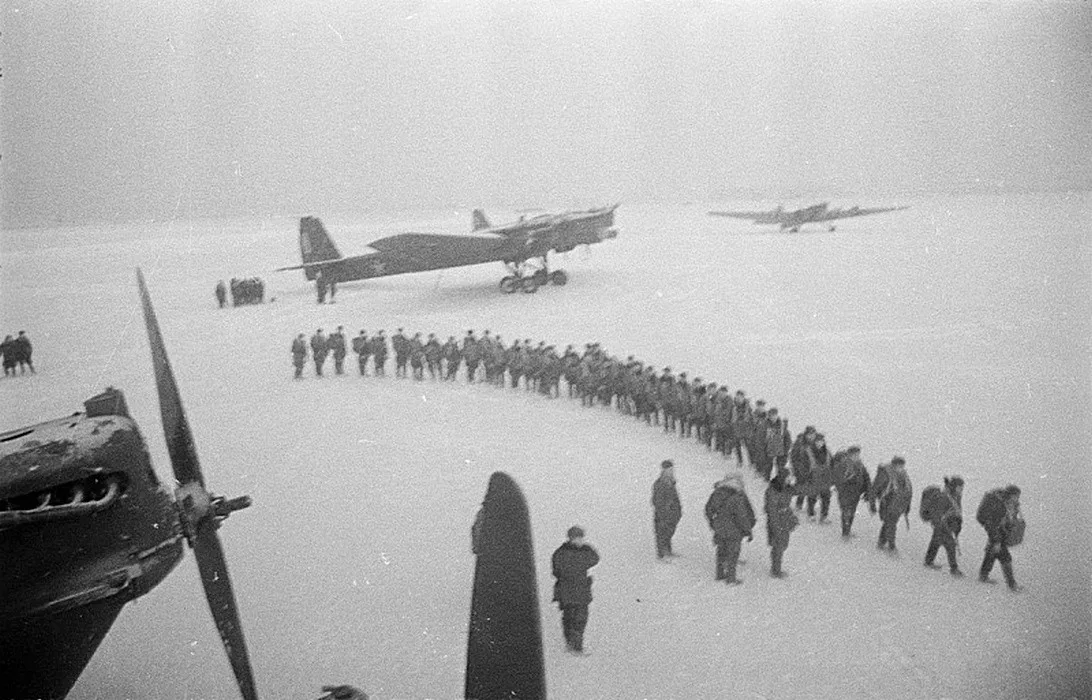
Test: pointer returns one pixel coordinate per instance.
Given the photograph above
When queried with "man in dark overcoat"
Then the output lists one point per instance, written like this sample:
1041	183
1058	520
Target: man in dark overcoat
572	590
666	508
852	481
732	518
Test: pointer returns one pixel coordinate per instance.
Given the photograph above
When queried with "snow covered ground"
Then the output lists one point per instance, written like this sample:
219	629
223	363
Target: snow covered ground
954	333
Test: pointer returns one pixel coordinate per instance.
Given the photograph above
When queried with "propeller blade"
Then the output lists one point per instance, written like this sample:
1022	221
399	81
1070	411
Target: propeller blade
175	427
218	591
187	470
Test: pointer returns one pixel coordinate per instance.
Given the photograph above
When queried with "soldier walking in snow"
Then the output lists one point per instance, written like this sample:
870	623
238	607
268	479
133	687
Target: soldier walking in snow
893	490
666	508
299	354
572	590
23	351
999	514
852	481
780	519
942	508
400	345
732	518
221	294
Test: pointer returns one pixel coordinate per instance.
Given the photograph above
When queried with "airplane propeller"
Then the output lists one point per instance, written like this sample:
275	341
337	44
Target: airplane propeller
200	512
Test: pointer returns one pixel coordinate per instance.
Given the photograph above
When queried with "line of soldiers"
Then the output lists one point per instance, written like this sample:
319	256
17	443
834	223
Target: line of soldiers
250	290
732	517
723	421
17	354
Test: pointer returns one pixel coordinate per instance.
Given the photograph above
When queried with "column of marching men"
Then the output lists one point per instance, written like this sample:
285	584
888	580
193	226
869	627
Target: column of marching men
801	469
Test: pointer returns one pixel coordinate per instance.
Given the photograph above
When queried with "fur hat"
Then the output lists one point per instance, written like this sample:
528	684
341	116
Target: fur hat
1012	490
953	481
666	464
574	532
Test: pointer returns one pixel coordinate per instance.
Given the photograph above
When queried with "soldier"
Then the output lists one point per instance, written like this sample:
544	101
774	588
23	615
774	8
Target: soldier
362	347
471	355
943	509
731	518
572	590
666	508
778	440
299	354
221	294
433	352
23	350
319	348
756	444
7	349
780	519
801	468
999	514
853	483
892	488
822	477
452	357
416	350
336	343
739	422
378	346
400	345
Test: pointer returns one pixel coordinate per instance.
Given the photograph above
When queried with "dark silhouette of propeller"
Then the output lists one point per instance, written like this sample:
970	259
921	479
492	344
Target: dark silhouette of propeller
199	511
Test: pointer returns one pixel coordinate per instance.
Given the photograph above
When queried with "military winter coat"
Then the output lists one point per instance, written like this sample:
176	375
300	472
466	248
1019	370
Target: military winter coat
336	344
995	517
894	492
299	351
822	472
778	440
570	565
665	501
851	479
780	518
729	513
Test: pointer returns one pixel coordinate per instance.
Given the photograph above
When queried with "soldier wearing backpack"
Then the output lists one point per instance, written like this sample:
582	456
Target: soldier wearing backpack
943	509
893	490
999	514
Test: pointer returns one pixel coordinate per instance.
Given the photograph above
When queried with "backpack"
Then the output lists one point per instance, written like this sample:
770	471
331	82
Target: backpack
1014	530
934	503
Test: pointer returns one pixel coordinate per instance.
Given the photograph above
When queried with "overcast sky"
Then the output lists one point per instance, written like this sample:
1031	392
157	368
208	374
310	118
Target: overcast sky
116	111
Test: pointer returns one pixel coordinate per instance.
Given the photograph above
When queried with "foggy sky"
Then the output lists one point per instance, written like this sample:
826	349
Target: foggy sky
117	111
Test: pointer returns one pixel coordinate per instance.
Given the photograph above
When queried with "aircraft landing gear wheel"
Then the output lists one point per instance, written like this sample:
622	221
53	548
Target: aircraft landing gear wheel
529	285
558	278
509	284
540	277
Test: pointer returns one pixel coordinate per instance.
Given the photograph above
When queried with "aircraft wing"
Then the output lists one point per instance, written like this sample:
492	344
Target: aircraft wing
749	215
833	214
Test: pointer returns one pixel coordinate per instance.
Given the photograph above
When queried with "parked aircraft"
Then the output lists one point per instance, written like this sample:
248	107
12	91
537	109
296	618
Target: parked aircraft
86	527
793	220
523	246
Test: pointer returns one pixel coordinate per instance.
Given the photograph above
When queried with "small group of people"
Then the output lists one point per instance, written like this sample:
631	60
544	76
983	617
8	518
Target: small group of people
250	290
17	354
731	516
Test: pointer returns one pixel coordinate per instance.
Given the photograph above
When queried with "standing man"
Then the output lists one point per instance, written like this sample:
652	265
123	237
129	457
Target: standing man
732	518
999	514
666	508
336	343
221	294
780	519
400	344
23	350
572	591
299	354
378	345
363	348
943	509
894	491
852	481
319	348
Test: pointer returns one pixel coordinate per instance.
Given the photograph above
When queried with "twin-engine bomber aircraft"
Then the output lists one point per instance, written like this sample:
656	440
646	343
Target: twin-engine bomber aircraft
793	220
522	246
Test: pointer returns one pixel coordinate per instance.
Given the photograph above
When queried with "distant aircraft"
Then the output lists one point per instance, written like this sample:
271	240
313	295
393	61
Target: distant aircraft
793	220
522	246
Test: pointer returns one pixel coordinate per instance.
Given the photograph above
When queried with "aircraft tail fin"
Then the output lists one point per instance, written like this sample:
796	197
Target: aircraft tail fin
315	244
480	222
